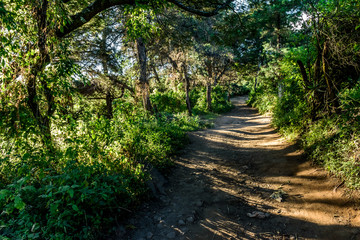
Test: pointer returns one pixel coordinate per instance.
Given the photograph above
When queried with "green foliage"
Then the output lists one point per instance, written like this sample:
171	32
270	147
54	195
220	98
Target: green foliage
170	101
262	99
334	144
95	174
76	201
219	103
154	139
140	22
302	108
350	103
331	141
239	90
76	192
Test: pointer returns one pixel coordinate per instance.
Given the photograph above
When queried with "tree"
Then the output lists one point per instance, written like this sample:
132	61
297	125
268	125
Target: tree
334	56
101	55
38	36
216	58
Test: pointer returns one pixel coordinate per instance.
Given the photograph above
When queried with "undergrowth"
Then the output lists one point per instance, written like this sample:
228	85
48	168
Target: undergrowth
330	140
94	173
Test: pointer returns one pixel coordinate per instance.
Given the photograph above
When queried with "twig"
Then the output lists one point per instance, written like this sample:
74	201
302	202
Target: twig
335	188
125	209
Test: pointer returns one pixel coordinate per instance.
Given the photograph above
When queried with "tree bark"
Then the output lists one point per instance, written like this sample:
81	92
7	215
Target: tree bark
156	74
216	78
143	84
332	101
303	73
43	120
104	59
209	67
109	107
187	90
278	26
208	95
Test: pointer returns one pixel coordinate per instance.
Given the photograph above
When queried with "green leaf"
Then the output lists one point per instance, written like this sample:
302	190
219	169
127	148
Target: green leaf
75	207
3	194
71	192
19	204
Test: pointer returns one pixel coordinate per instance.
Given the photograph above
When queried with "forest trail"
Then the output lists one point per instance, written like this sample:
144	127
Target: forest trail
241	180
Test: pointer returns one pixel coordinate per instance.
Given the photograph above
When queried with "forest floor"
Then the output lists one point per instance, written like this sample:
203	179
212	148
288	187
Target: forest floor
242	180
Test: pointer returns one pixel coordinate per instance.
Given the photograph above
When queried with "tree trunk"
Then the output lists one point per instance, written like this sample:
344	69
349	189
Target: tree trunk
228	95
278	27
143	84
208	96
104	60
331	88
316	103
303	73
209	66
215	81
43	120
255	84
187	90
156	74
307	86
257	75
109	108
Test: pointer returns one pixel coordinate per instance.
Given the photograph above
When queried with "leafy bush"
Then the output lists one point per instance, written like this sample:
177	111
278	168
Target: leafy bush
332	139
154	139
350	103
65	199
236	90
219	101
332	143
170	101
94	173
263	100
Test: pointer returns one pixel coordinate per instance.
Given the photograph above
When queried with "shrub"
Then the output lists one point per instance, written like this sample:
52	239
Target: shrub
94	173
71	199
236	90
219	101
263	100
170	101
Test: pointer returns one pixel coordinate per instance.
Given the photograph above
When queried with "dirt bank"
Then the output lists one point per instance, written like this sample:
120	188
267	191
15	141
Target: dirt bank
241	180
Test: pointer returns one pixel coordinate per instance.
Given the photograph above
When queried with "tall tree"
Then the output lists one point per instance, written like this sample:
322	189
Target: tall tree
41	25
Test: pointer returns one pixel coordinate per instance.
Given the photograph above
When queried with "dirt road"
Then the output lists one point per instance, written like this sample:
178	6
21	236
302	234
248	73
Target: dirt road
241	180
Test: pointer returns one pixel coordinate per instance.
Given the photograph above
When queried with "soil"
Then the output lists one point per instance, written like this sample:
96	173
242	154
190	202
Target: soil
242	180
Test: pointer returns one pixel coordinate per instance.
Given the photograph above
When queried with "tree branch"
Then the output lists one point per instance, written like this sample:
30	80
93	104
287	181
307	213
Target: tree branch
115	80
199	12
98	6
226	67
89	12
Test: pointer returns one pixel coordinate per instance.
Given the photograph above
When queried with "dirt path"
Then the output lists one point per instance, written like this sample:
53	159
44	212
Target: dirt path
237	168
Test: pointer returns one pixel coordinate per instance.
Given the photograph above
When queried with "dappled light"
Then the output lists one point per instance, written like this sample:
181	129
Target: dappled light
179	119
235	168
